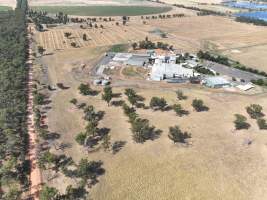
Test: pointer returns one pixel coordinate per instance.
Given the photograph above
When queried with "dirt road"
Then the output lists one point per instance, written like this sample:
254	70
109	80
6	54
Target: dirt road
35	175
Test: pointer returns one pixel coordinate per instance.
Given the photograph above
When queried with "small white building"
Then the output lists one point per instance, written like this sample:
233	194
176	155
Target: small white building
191	64
122	57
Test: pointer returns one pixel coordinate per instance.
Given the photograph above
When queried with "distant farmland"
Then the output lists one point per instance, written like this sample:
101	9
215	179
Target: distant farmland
5	8
103	10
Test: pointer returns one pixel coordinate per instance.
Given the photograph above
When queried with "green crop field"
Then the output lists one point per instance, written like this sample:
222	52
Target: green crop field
103	10
5	8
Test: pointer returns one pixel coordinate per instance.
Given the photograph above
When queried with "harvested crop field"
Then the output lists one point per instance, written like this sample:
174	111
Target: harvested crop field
189	33
104	10
111	34
218	34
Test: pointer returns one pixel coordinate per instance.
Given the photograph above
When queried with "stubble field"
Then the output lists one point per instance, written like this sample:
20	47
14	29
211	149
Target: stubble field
243	42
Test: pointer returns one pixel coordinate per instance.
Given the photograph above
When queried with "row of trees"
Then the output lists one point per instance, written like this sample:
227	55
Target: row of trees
201	11
157	103
225	61
218	59
41	17
260	82
250	20
85	89
92	133
147	44
14	166
163	16
141	129
86	171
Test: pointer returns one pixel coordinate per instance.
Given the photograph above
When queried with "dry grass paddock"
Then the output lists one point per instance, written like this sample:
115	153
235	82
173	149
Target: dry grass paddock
216	165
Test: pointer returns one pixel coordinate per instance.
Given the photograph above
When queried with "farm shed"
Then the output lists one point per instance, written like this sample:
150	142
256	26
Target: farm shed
122	57
138	60
216	82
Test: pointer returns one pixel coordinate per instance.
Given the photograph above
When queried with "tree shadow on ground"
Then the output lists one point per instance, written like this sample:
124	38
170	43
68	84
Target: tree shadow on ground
116	95
117	103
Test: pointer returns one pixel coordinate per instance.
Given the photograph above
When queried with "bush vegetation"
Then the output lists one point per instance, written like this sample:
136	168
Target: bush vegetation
180	95
230	63
201	11
157	103
133	98
107	94
14	166
179	110
260	82
250	20
147	44
85	89
141	129
241	122
262	123
255	111
198	105
176	135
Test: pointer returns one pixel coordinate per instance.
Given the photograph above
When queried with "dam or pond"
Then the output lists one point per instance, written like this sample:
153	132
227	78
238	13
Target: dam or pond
247	5
257	10
256	15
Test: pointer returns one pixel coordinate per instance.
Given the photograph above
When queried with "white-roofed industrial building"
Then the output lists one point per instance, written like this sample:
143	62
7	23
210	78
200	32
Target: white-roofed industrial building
163	69
216	82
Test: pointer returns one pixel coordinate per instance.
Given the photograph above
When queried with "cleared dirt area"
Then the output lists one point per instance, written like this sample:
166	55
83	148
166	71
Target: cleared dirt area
218	163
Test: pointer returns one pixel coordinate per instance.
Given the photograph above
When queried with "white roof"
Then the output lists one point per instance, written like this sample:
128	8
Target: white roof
169	69
216	80
122	57
245	87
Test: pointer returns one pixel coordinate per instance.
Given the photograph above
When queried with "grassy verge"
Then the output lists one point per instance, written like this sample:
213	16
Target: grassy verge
119	48
103	10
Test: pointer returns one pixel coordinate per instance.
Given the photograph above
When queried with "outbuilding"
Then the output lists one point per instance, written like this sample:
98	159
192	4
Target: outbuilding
216	82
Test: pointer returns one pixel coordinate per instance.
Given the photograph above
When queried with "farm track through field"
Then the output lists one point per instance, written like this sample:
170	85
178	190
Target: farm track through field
77	38
53	40
63	39
92	39
35	172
